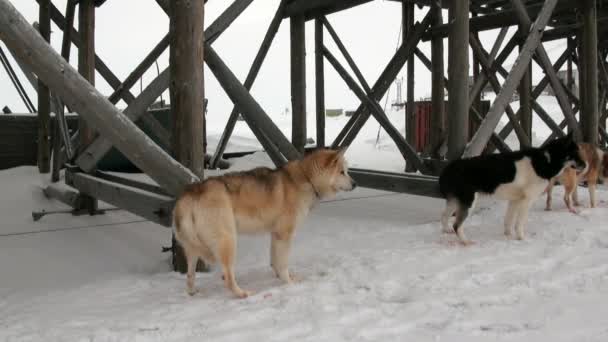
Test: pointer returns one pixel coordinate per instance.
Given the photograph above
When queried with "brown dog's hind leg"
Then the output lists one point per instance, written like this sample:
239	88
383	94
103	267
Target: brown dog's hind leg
192	260
549	191
226	251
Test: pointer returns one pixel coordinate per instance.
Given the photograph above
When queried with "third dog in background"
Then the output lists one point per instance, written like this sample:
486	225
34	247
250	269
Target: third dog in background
596	168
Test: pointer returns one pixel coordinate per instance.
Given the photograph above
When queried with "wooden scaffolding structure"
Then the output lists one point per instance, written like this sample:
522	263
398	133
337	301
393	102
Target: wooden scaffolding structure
59	85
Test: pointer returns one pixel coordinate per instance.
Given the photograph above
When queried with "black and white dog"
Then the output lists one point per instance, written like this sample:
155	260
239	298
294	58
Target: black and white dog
518	177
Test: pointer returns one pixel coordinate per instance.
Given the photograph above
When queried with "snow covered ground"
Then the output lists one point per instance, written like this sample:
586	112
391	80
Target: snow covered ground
373	266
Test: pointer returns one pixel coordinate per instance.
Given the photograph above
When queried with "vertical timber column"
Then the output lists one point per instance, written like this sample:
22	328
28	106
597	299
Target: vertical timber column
410	119
86	68
187	94
44	98
298	82
476	73
320	83
458	94
525	93
438	84
589	58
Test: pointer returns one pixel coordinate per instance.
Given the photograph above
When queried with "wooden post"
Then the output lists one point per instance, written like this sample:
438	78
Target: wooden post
187	93
475	98
44	98
320	83
458	96
589	58
86	68
525	93
438	84
298	82
407	17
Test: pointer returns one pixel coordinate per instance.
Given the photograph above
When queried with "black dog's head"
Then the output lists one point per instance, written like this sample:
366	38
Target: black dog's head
565	152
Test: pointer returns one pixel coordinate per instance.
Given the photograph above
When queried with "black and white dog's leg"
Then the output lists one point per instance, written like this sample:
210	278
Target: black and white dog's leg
512	211
450	207
461	214
522	217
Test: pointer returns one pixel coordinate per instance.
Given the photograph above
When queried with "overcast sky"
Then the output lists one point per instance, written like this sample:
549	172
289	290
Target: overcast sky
127	30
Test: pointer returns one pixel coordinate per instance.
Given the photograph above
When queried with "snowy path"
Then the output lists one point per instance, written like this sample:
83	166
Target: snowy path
371	269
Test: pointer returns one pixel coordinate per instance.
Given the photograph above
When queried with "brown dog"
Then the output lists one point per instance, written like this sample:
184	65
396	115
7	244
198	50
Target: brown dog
596	168
209	215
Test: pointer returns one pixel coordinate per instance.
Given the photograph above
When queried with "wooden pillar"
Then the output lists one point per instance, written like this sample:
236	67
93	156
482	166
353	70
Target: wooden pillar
438	84
589	58
44	98
86	68
298	82
410	120
320	82
476	73
187	93
525	94
458	70
570	83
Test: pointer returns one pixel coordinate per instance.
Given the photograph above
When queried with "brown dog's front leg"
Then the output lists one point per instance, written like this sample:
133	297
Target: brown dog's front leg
280	246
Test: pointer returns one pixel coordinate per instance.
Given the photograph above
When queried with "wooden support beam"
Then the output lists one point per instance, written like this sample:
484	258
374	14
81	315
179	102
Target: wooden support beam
310	9
44	99
298	82
437	133
495	139
149	205
139	70
103	69
525	94
524	138
488	125
458	73
498	19
481	82
350	131
95	151
407	19
546	65
252	111
404	147
319	82
349	59
86	68
82	97
187	83
62	194
397	182
589	57
275	23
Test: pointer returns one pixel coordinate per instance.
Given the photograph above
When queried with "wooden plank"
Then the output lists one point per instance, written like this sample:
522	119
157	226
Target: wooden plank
252	111
525	94
397	182
438	83
298	82
149	205
319	83
404	147
83	98
314	8
362	114
273	27
229	15
458	73
187	87
44	98
63	195
480	139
